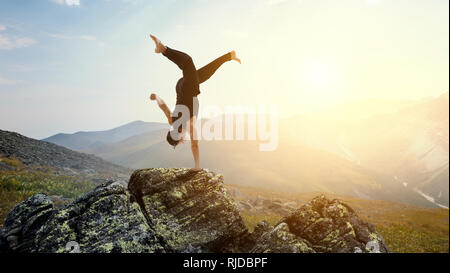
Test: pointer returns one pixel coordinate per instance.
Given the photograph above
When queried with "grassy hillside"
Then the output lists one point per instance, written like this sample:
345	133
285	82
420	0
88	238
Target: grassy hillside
21	182
405	228
40	153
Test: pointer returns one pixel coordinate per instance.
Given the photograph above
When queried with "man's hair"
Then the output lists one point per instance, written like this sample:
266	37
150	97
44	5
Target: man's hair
170	140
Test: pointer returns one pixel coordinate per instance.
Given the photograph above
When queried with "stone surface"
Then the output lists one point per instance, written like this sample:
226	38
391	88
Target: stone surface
190	210
177	210
332	226
103	220
22	223
278	239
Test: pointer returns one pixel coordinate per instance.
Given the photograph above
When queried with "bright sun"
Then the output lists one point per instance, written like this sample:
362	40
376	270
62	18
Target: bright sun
318	76
317	79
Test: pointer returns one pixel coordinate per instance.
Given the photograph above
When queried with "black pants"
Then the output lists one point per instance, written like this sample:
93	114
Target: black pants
188	86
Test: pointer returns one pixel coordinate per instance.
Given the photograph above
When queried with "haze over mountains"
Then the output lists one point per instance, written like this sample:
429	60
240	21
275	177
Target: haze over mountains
393	150
88	140
409	145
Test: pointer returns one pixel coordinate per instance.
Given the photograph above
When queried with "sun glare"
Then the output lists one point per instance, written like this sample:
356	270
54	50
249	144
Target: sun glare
318	76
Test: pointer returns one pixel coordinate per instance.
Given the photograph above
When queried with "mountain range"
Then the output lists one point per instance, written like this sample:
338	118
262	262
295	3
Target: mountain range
87	140
391	150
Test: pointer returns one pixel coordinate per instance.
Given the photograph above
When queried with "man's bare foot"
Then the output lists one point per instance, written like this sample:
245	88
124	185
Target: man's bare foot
159	47
196	169
234	57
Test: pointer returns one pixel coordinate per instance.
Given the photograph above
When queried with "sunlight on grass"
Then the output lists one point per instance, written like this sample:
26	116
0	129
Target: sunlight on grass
16	186
251	220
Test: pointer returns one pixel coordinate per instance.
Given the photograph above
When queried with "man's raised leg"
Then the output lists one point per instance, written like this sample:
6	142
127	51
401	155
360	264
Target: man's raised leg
208	70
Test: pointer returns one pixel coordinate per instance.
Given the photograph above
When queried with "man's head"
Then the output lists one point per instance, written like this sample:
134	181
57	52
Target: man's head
180	119
173	138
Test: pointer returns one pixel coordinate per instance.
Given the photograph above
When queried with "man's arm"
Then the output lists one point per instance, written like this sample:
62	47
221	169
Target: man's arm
194	145
162	105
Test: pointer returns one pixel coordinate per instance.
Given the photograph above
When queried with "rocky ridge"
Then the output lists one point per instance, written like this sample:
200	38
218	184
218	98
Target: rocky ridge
40	153
177	210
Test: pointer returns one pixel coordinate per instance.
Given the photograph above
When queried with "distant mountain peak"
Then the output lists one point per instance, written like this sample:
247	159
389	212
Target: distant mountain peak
85	140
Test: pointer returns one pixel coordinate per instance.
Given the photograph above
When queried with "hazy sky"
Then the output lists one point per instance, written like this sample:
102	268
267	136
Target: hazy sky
70	65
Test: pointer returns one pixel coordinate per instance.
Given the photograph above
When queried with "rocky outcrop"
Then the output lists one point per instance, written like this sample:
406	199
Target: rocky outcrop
103	220
189	210
177	210
326	226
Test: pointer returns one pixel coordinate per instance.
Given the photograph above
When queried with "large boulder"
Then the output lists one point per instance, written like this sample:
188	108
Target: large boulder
190	210
177	210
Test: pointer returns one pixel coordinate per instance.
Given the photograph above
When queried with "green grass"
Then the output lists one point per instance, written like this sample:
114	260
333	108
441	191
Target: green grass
16	186
407	239
414	230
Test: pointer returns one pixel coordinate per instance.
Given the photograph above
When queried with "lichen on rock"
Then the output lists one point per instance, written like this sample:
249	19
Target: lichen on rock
190	210
104	220
332	226
22	223
278	239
